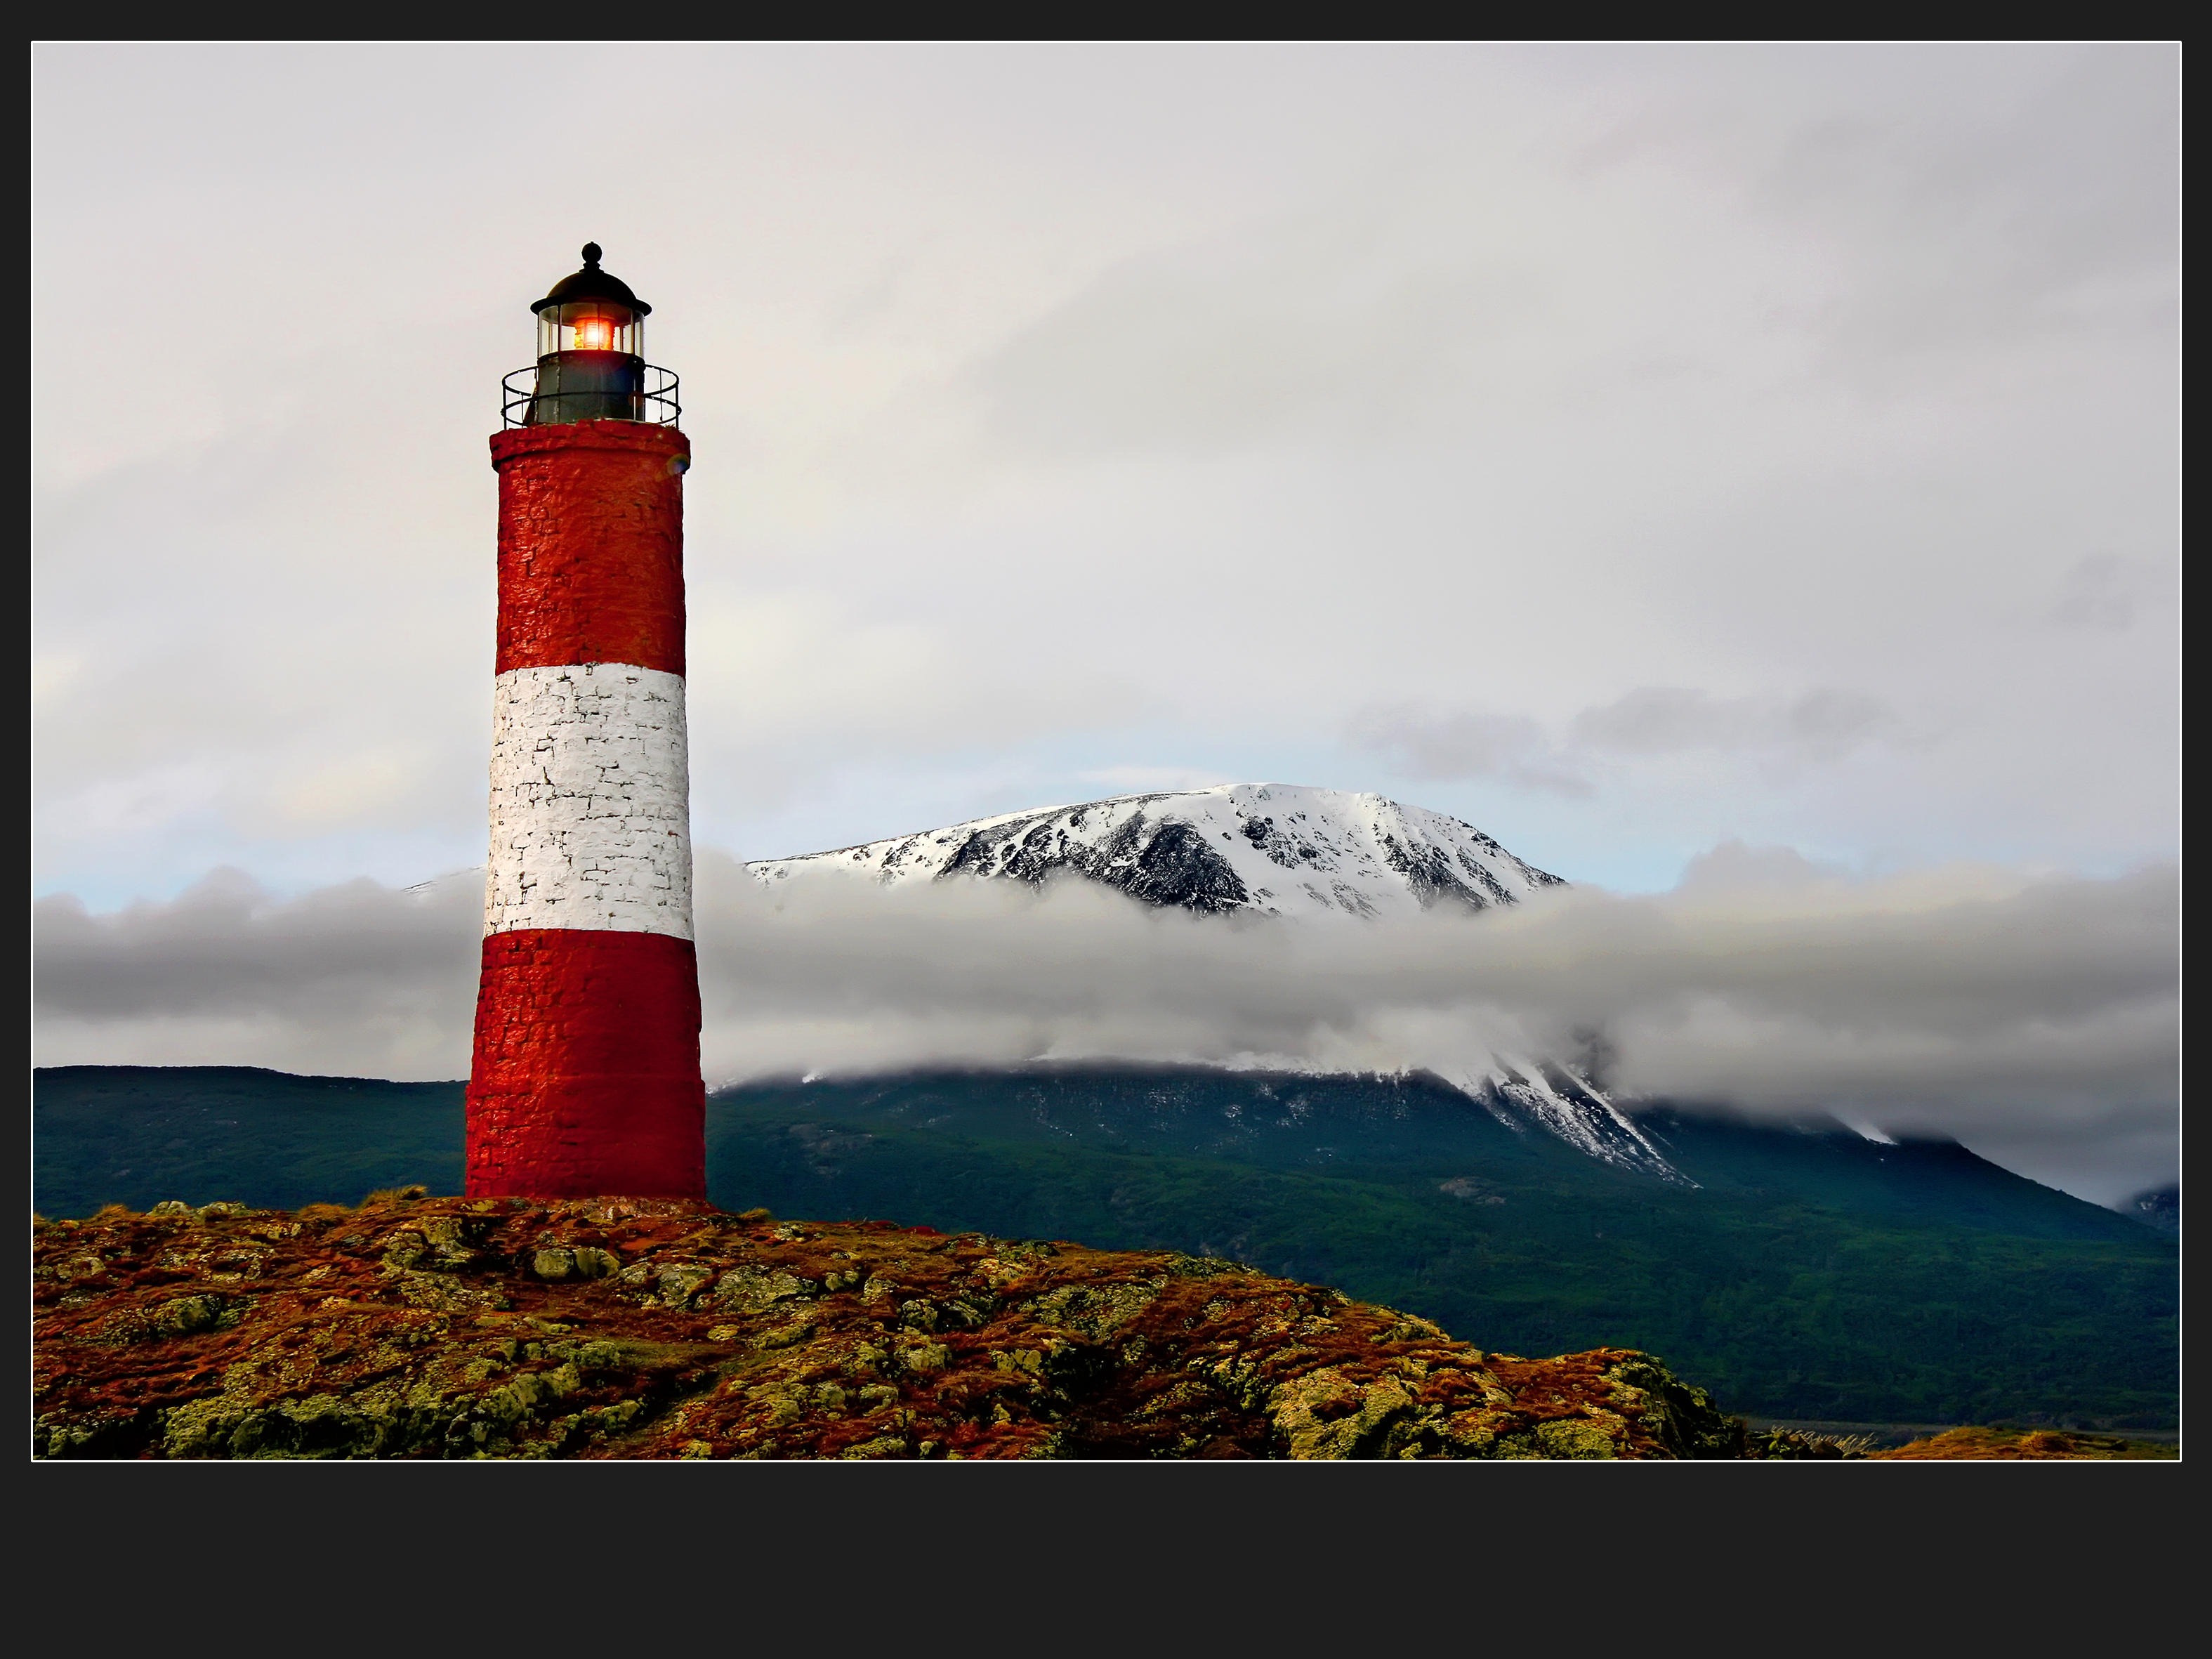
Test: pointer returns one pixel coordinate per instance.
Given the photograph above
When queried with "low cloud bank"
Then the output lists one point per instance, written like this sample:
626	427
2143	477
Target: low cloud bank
2035	1017
353	981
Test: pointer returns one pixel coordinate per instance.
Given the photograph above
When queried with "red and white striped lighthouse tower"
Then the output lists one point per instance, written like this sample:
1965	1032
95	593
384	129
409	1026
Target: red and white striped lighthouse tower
586	1079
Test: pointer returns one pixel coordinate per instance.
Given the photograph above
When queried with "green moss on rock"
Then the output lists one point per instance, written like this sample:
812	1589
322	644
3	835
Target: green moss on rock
444	1327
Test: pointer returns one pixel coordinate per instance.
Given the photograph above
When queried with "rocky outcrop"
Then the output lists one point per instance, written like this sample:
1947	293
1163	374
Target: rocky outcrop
415	1326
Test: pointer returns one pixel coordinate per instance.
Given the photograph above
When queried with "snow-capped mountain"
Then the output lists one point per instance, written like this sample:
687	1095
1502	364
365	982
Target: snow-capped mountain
1257	848
1271	849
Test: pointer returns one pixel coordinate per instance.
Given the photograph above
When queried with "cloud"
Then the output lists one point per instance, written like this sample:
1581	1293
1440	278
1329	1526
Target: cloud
2017	206
2105	594
1313	324
1465	744
1821	725
1734	867
357	980
2038	1012
1928	992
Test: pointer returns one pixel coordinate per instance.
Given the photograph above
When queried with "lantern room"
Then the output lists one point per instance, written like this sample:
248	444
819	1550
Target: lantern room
591	356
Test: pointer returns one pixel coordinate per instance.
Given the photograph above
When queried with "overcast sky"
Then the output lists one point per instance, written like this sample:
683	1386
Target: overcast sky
1627	450
1621	449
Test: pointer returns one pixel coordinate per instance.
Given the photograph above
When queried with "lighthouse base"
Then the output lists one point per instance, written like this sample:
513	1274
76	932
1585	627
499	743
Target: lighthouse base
587	1077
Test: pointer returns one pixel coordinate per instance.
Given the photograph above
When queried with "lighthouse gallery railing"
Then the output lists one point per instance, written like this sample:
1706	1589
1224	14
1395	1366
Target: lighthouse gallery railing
657	404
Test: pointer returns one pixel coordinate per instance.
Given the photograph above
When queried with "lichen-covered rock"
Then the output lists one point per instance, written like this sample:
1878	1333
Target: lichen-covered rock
415	1327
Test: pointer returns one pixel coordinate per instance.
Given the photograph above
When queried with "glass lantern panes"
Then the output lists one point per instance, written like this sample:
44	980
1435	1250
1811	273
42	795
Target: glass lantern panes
591	325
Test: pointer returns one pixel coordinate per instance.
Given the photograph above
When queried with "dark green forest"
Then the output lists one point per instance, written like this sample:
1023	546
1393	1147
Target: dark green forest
1809	1272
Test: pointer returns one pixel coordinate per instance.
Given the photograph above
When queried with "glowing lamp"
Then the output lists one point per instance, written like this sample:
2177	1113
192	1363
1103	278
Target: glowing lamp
590	352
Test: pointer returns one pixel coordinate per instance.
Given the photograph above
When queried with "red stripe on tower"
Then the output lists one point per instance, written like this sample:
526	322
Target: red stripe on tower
586	1079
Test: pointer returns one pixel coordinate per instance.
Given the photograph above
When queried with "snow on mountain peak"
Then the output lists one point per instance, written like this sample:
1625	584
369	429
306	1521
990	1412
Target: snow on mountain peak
1256	848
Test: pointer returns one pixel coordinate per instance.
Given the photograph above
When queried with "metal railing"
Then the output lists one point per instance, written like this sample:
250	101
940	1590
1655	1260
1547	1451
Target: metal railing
657	403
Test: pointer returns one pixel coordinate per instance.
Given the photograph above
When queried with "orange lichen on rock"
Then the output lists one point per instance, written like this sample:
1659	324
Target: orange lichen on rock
415	1327
1983	1444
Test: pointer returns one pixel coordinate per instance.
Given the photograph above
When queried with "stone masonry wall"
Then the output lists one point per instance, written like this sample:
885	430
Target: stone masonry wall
590	801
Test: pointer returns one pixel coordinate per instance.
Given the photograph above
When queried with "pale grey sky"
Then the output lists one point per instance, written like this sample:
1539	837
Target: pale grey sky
1628	450
1624	449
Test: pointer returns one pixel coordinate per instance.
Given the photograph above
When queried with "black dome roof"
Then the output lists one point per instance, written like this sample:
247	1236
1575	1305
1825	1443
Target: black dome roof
592	283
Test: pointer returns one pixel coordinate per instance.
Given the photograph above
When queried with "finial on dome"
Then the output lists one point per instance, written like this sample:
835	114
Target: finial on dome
592	251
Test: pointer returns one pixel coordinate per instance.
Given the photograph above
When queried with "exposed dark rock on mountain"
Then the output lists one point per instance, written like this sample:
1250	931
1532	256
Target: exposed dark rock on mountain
1164	863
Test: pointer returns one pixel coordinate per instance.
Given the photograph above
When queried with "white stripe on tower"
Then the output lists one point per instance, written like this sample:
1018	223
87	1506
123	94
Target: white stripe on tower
591	822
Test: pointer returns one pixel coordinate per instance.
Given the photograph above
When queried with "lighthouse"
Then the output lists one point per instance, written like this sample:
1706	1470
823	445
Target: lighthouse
586	1076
